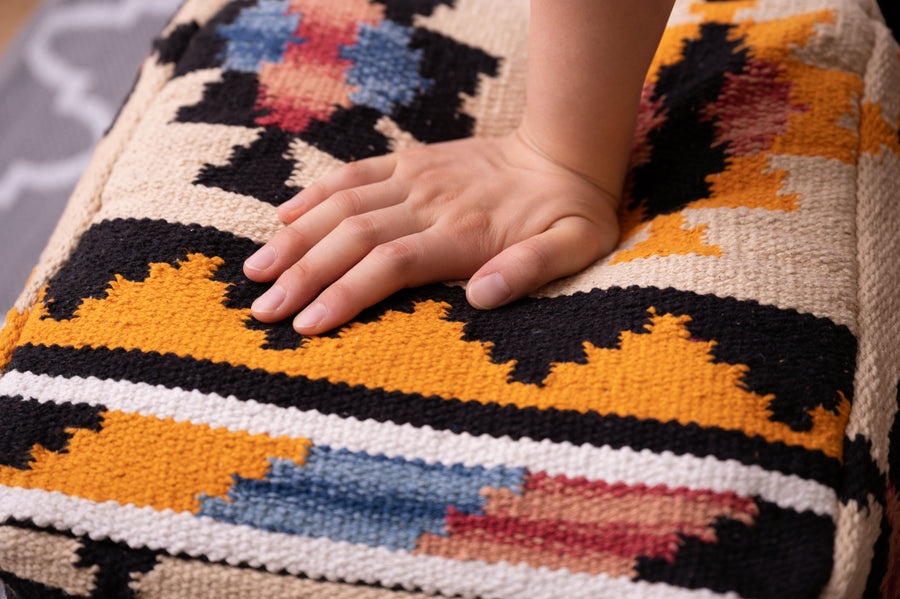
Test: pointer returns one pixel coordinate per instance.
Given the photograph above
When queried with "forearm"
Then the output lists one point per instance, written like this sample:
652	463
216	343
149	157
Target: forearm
587	60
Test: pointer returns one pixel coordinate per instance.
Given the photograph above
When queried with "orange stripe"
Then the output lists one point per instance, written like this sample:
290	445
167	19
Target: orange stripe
875	133
661	374
151	462
469	549
668	237
10	334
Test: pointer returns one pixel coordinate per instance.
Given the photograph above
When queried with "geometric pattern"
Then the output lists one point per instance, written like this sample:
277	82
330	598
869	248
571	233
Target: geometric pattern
326	75
709	411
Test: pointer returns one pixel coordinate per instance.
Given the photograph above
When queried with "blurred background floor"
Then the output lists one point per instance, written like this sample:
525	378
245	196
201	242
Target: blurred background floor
13	14
65	69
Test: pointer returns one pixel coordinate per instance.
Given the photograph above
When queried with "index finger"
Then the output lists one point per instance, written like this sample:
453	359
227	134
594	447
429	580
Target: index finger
347	176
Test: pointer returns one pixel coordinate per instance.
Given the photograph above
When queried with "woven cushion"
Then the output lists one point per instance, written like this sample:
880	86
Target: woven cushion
709	411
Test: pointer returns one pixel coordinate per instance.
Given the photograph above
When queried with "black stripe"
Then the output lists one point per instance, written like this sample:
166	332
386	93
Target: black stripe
803	360
20	588
457	416
171	48
117	565
25	424
405	12
205	49
127	247
684	149
862	476
347	134
229	101
783	553
125	559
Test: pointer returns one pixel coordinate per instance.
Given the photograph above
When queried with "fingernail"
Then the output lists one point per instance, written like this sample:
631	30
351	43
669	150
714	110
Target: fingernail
310	317
270	300
262	259
488	292
294	207
290	206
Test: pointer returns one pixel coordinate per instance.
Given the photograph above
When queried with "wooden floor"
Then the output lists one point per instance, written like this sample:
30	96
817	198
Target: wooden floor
13	13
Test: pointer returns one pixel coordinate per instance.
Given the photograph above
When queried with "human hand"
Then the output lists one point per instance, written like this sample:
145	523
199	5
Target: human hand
495	209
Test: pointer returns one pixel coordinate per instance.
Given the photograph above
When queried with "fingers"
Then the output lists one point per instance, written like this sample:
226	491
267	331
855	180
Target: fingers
370	228
565	248
349	244
368	258
350	175
388	268
291	243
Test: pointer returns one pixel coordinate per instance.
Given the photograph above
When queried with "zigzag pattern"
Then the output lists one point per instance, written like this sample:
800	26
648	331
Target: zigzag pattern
708	412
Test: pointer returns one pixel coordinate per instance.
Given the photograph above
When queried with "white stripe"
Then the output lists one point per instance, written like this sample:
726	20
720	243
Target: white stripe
319	558
623	465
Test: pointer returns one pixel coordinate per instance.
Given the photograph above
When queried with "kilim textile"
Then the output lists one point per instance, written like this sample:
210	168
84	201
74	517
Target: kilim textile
710	411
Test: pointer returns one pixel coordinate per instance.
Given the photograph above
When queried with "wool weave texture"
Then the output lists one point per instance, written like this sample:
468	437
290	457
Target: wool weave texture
710	411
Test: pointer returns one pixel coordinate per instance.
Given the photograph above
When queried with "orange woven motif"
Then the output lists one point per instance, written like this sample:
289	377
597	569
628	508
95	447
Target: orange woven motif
710	410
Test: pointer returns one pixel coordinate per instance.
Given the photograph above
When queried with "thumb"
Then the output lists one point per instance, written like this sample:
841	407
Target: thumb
568	246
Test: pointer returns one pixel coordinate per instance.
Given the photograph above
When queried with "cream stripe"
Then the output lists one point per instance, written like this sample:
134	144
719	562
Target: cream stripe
200	11
174	578
45	558
595	463
154	175
857	529
878	362
319	558
498	28
770	10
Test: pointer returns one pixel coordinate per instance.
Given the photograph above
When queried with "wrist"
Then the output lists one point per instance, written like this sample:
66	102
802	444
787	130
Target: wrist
602	184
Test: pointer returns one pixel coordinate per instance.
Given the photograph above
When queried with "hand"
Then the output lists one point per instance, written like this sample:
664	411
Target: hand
494	209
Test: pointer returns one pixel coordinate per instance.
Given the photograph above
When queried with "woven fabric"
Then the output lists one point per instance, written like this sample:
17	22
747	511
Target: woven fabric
710	411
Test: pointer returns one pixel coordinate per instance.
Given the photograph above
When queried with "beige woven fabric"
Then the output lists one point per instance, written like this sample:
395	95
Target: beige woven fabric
709	411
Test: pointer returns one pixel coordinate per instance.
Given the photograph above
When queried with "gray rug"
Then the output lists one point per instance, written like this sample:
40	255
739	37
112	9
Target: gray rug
61	83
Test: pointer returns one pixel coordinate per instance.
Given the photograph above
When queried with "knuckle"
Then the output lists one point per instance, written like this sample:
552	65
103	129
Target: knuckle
348	201
534	256
352	169
297	273
339	294
434	195
293	235
319	188
396	254
473	223
581	235
359	226
590	236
